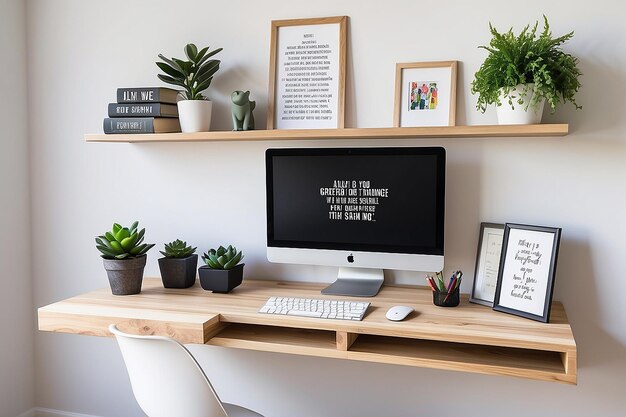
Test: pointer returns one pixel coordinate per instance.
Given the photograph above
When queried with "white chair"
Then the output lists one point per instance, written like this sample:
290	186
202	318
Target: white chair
167	380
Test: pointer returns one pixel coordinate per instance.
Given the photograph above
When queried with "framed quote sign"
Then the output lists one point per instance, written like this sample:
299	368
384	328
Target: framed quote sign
307	73
487	263
527	268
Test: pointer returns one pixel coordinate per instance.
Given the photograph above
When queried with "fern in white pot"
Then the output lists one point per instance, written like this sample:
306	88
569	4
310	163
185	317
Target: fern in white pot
523	72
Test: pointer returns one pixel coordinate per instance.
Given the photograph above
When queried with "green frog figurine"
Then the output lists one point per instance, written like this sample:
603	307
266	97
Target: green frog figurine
242	107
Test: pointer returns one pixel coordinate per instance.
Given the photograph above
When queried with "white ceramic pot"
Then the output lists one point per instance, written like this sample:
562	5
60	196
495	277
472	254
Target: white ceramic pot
195	115
519	114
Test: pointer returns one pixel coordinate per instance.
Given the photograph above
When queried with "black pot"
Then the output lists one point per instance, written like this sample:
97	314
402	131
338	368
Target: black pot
125	275
178	272
220	280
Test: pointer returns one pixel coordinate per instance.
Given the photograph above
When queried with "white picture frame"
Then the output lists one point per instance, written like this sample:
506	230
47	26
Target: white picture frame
425	94
487	263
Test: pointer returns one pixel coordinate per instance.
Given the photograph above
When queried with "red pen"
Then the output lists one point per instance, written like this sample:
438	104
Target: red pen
430	284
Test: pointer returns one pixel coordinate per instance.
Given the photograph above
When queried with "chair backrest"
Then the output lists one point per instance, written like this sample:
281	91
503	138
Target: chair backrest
165	377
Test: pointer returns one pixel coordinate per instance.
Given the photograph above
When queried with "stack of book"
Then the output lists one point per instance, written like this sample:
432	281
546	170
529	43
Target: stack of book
143	110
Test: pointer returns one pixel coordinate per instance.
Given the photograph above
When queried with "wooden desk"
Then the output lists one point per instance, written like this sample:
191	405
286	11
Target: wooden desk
469	338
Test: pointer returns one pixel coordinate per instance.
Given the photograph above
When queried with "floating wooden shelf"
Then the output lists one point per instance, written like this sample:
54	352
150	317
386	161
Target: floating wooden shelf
485	131
468	338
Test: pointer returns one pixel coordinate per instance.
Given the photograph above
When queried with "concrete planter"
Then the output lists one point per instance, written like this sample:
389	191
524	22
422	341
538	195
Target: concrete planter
220	280
178	272
125	275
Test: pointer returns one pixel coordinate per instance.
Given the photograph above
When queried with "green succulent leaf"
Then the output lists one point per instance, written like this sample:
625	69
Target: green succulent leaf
122	234
116	246
222	258
122	242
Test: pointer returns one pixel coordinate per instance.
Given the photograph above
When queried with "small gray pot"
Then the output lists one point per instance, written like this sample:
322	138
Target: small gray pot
125	275
178	272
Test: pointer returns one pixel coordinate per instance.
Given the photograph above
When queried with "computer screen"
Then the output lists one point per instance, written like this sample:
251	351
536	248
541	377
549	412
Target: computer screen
350	206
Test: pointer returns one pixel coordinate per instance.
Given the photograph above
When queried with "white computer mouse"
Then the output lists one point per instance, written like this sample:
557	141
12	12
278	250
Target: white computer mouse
398	313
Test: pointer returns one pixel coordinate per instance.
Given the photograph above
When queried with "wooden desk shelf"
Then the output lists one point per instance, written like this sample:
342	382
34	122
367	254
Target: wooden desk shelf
469	338
485	131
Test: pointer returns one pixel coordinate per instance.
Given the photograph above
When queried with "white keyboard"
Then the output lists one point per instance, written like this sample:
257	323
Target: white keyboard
310	307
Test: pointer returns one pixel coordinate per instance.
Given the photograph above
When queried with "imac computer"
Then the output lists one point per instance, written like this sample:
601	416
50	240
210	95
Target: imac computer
360	209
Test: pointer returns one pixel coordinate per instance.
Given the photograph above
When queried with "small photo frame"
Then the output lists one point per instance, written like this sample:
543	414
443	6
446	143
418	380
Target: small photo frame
425	94
487	263
307	73
527	269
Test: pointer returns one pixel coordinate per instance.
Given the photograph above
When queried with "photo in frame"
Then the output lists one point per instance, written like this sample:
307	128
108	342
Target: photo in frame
307	73
487	263
527	269
425	94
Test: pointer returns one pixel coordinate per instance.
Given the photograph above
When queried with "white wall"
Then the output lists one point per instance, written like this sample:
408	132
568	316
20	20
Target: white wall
209	193
16	298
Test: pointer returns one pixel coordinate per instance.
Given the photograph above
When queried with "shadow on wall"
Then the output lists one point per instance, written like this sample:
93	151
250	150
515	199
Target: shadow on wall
350	113
461	94
602	105
598	351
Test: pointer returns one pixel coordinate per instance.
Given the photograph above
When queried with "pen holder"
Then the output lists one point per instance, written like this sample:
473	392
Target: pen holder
439	298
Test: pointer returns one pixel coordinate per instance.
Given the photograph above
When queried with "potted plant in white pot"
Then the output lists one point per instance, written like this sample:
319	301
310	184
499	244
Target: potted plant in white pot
124	256
178	265
195	76
222	271
523	72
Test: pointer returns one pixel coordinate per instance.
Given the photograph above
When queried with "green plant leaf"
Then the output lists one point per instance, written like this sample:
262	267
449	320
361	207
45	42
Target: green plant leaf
173	72
191	51
122	234
106	251
209	55
129	242
170	80
116	246
201	54
172	63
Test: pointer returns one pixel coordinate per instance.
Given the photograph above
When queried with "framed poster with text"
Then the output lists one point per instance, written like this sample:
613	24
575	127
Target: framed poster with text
307	73
527	268
487	263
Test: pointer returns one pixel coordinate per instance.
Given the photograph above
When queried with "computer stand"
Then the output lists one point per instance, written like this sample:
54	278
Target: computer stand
356	282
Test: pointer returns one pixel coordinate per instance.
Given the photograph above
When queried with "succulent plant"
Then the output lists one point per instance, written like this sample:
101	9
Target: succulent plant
222	258
123	242
194	75
177	249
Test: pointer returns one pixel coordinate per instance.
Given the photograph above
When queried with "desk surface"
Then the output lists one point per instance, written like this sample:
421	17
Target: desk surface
470	337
